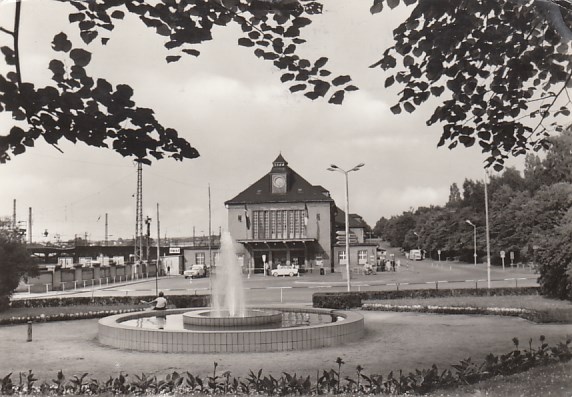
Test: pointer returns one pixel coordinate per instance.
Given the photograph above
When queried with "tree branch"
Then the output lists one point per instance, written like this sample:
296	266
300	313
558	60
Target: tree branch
6	31
553	13
16	35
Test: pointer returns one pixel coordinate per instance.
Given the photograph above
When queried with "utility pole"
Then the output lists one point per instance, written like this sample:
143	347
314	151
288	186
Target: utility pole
139	215
210	233
106	235
488	235
158	254
30	225
14	217
148	236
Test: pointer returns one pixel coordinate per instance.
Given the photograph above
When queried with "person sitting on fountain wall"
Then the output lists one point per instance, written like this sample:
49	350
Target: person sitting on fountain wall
160	302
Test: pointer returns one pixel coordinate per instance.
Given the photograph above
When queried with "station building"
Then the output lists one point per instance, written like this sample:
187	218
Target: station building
282	219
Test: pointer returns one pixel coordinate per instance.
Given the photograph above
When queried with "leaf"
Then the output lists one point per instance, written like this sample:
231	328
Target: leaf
337	98
409	107
57	67
377	7
88	36
437	91
80	57
61	43
320	62
287	77
118	14
389	81
300	22
297	87
320	87
172	58
395	109
8	55
392	3
76	17
243	41
341	80
192	52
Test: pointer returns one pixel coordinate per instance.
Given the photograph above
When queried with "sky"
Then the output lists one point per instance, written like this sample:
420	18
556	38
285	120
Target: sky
232	107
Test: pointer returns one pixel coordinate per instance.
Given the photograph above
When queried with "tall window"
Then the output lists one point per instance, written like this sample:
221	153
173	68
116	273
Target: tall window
280	224
200	258
342	258
362	257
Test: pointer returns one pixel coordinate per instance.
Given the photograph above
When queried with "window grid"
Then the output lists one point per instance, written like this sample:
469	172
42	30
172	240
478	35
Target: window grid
279	224
200	258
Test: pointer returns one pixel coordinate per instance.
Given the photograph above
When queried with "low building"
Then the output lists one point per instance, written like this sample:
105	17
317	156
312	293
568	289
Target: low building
361	251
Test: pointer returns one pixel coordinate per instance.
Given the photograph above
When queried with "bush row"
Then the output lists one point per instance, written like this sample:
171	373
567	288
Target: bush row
349	300
176	300
338	380
549	316
42	318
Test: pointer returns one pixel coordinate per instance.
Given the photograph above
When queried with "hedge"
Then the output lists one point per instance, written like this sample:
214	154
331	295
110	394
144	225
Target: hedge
176	300
349	300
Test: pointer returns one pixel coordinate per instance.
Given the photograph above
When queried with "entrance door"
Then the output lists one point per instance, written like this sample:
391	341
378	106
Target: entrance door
259	262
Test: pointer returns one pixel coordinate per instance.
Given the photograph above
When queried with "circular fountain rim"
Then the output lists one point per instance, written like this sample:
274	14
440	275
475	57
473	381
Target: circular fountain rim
252	317
113	333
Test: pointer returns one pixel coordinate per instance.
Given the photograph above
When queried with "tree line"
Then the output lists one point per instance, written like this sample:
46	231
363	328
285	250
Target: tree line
530	215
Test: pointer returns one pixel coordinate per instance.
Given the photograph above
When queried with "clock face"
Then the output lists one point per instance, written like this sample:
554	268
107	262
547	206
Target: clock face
279	181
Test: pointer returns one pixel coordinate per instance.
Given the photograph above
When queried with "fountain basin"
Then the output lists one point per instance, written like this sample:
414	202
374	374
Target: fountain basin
251	318
112	332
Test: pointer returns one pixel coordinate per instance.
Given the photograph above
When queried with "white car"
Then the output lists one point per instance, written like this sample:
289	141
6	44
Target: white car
195	271
285	271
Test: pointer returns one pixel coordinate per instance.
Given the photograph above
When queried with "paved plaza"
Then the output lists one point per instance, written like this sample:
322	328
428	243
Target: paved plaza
392	341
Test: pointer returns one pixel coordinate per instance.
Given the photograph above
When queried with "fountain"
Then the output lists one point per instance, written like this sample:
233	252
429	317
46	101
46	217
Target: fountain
228	325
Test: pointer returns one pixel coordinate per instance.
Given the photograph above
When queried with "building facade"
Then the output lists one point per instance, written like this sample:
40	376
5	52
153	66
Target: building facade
282	219
361	252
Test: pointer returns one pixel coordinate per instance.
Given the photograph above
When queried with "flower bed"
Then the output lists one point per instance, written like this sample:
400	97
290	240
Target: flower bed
338	380
508	311
76	315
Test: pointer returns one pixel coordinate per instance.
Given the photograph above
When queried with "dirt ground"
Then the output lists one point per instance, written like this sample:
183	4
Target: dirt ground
392	341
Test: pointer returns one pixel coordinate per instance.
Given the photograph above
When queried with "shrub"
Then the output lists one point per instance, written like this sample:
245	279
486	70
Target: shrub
15	262
176	300
348	300
554	259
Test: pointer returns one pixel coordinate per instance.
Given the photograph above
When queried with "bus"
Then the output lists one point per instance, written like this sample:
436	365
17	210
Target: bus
415	255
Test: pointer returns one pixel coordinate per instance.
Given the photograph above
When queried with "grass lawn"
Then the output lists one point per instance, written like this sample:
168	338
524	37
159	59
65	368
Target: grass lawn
552	380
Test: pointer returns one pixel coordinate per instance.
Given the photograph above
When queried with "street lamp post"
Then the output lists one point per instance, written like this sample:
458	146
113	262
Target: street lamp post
474	239
487	234
334	167
415	233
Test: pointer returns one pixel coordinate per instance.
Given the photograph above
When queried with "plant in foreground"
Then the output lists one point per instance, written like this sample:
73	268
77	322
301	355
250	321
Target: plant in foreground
420	381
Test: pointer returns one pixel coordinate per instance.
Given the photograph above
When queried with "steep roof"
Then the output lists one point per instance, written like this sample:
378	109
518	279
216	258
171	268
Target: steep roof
298	189
356	221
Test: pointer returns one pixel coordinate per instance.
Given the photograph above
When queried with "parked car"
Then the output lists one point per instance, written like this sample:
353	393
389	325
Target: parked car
195	271
285	271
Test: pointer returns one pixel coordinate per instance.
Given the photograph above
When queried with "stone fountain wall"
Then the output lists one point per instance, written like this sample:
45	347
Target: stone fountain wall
112	333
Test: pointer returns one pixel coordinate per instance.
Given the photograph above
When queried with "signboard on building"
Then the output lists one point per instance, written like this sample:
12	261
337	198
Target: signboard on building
174	250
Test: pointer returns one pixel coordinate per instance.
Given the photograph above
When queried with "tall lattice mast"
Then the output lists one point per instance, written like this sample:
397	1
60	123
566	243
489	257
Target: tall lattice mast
139	215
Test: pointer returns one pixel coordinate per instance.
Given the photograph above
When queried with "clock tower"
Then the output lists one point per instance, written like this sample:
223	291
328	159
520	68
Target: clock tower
279	175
